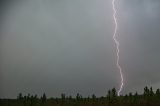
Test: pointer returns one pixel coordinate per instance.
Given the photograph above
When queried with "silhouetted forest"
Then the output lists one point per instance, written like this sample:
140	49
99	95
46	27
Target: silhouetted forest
148	98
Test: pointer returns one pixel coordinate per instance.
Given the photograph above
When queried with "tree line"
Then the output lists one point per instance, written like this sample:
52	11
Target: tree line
148	98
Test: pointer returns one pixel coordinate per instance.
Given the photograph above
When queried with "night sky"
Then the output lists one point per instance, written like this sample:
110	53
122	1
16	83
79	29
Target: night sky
66	46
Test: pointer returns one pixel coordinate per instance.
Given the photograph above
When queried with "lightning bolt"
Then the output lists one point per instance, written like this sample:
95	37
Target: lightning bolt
117	46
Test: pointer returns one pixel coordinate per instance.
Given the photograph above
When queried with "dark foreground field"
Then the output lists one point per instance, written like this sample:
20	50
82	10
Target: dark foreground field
148	98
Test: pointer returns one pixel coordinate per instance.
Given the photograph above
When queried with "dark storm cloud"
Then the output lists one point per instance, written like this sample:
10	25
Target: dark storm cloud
140	42
56	47
67	46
